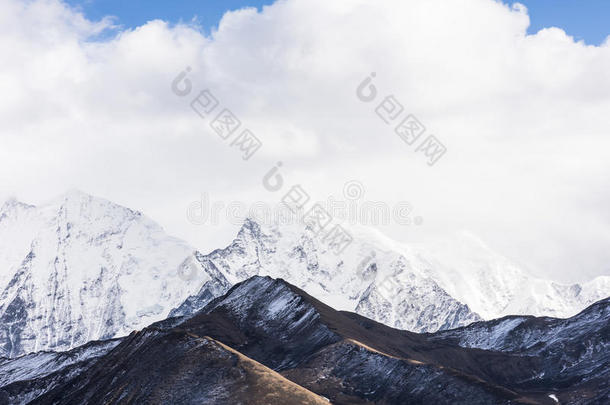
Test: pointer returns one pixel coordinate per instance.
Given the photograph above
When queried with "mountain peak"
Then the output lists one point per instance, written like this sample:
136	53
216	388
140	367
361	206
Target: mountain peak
72	196
75	195
84	263
262	288
250	227
12	203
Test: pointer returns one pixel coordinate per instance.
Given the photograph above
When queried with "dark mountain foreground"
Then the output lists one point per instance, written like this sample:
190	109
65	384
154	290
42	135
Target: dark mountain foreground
267	342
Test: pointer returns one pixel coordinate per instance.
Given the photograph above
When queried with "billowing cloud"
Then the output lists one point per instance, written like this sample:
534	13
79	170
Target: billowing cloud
524	118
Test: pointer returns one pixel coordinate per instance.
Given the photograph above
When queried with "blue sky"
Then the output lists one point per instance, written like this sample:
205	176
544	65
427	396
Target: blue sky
133	13
583	19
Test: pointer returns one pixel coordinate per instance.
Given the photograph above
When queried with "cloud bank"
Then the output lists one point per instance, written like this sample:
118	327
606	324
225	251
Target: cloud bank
524	118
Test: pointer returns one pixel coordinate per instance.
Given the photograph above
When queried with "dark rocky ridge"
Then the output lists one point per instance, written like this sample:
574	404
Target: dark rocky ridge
224	354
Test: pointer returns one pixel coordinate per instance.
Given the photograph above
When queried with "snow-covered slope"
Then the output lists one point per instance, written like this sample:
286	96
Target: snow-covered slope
493	286
422	288
368	278
82	268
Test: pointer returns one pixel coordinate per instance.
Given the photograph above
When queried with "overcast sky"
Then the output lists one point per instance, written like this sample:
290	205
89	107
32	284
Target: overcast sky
524	118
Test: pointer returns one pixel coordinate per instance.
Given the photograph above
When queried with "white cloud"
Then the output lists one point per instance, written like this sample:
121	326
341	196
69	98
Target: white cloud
524	117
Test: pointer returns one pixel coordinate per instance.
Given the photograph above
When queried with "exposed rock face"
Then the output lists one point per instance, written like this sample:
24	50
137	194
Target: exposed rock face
178	367
27	377
573	352
266	341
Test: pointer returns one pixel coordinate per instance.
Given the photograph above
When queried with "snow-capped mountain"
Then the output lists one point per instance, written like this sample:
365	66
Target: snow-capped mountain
493	286
82	268
421	288
378	283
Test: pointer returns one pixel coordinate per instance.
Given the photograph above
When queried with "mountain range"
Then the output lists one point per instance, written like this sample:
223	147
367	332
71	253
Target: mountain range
266	341
81	269
417	287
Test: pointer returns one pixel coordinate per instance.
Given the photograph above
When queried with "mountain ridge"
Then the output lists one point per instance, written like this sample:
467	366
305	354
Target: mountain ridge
82	268
407	287
337	355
